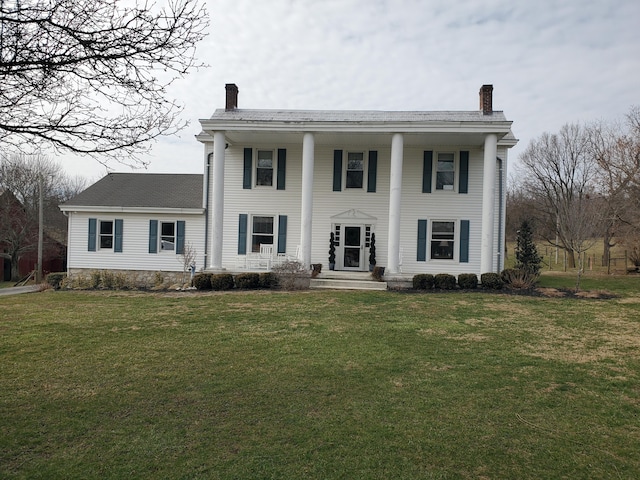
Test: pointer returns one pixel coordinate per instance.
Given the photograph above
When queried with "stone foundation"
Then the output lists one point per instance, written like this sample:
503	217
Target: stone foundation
87	278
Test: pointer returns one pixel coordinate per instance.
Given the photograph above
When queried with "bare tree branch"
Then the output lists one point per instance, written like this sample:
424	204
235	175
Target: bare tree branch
91	76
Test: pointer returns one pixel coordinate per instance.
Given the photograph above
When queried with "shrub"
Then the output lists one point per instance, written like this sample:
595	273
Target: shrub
56	279
247	281
267	280
292	276
491	281
444	281
202	281
221	281
108	279
468	280
423	281
158	279
378	273
518	278
121	281
95	279
527	257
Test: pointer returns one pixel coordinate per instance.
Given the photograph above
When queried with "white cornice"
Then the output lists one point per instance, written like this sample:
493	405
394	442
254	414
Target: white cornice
134	210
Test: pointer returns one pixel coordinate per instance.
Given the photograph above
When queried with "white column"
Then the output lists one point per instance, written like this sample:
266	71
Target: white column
395	196
217	199
488	203
308	158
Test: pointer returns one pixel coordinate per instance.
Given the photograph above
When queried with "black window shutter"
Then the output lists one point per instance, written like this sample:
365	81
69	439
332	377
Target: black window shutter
248	166
372	171
422	240
117	244
337	170
282	234
153	236
427	171
282	169
93	225
242	234
464	241
180	237
463	186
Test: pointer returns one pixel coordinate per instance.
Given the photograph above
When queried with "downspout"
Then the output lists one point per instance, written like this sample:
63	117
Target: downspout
500	214
207	184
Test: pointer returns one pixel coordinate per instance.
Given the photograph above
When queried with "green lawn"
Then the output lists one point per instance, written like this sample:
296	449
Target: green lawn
320	384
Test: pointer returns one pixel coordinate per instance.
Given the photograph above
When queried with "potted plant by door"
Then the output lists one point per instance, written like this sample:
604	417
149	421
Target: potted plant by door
332	252
372	252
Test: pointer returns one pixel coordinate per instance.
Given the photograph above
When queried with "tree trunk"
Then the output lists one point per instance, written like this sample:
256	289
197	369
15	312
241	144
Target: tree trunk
571	258
15	267
606	251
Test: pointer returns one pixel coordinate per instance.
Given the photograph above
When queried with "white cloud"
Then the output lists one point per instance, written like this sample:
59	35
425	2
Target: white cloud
550	62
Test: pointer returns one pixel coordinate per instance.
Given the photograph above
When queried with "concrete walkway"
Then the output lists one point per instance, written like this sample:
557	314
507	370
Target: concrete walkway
17	290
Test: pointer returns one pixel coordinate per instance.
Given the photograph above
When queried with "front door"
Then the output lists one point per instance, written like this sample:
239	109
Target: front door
353	248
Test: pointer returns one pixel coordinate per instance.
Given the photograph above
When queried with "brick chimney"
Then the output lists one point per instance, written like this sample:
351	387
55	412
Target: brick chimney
232	96
486	99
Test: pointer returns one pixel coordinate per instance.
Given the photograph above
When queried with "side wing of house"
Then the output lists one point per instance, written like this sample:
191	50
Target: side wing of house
134	241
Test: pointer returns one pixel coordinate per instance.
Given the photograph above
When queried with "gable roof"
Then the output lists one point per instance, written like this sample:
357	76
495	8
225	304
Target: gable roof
141	190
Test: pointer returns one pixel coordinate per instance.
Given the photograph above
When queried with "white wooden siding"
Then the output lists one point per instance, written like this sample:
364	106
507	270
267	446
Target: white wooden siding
439	205
135	243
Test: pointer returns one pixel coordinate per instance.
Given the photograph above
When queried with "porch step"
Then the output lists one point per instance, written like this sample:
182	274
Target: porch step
347	281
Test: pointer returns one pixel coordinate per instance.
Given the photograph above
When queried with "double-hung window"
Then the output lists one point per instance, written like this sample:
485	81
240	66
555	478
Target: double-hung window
262	232
355	170
167	236
106	234
445	171
442	240
264	168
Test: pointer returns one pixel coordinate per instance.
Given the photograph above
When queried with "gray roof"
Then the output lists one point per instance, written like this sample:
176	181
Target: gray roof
156	190
354	116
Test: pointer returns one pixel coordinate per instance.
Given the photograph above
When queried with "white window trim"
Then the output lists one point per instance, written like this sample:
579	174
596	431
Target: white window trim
251	233
175	236
345	169
456	172
456	241
274	168
113	234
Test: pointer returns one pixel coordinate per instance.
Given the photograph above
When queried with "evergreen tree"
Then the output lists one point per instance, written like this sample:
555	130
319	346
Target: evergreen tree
527	257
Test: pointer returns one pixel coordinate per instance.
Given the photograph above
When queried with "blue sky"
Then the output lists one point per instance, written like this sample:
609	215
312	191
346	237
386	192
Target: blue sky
551	63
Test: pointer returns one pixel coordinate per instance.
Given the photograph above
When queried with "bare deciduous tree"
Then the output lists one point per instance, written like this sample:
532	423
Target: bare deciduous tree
21	177
90	76
559	175
615	148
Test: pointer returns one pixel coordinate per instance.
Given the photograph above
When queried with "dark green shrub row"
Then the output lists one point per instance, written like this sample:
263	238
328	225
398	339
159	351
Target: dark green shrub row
491	281
247	281
444	281
466	281
226	281
423	281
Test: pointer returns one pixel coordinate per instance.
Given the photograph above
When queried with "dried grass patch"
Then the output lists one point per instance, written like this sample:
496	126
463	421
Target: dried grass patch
616	340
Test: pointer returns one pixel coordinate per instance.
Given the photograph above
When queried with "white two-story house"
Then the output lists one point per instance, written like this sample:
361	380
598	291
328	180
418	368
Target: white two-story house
429	184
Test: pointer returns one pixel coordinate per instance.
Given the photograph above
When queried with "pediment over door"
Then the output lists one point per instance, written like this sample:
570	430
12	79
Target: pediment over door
354	216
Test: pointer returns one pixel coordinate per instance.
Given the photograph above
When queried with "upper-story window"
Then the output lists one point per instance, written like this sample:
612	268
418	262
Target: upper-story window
106	234
355	170
264	168
445	171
